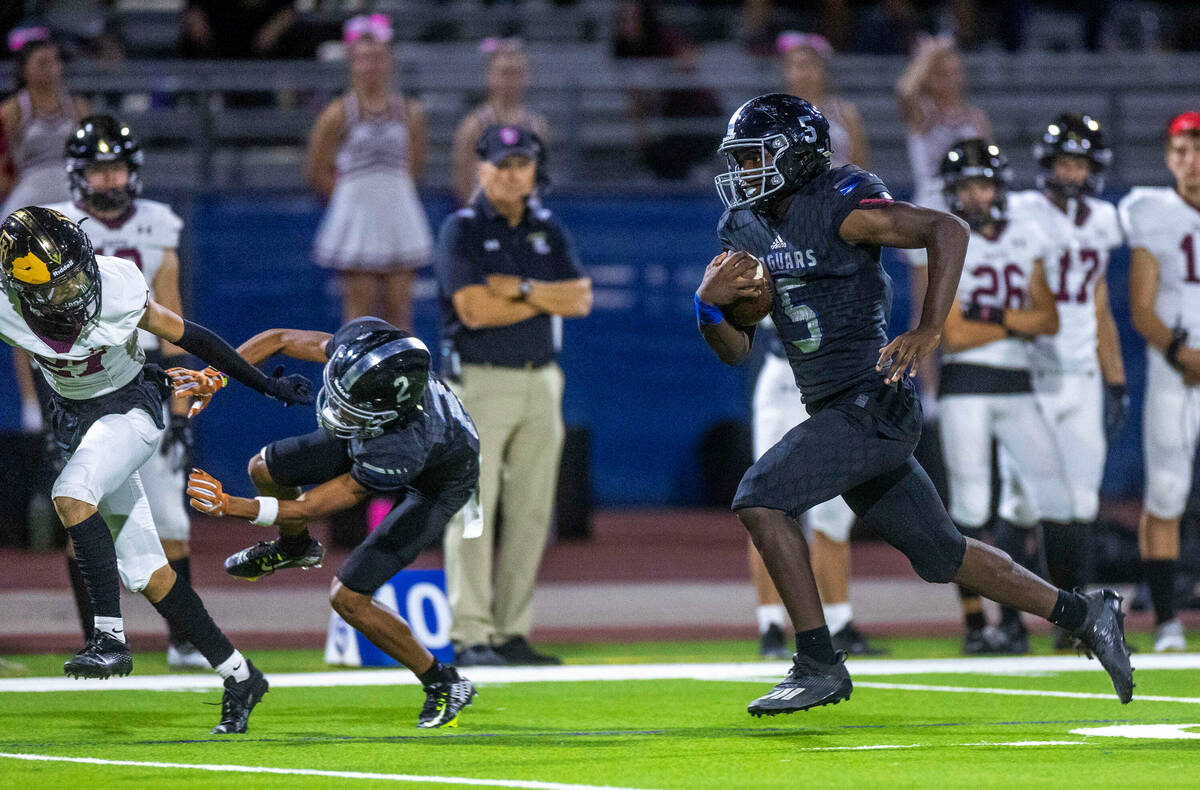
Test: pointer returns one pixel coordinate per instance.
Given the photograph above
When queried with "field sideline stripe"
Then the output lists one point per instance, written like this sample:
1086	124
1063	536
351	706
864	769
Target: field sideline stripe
255	769
1019	692
756	671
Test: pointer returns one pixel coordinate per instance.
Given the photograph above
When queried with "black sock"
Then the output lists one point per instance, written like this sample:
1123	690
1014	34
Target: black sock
79	590
1085	540
1070	610
184	610
97	558
438	673
975	619
1014	541
816	644
1160	575
1063	553
294	545
183	570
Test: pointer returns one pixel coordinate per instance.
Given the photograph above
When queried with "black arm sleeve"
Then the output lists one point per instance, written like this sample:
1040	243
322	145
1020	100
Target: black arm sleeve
211	349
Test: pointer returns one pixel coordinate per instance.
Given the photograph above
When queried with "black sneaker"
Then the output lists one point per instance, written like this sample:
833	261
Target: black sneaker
444	700
266	557
1015	638
103	656
239	699
983	642
808	685
1102	636
1063	642
855	642
480	655
518	651
771	645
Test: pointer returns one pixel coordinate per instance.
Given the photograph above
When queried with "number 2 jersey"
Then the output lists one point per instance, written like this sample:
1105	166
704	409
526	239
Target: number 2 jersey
1158	220
142	236
996	273
1082	239
106	355
832	298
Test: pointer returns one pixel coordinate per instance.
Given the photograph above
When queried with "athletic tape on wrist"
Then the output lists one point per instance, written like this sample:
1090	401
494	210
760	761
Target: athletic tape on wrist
268	511
707	314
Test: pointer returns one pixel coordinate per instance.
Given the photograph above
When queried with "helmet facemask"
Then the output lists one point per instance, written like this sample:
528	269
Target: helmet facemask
345	420
109	200
745	186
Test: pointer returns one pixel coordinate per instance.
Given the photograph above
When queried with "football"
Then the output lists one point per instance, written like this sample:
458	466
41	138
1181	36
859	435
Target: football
749	310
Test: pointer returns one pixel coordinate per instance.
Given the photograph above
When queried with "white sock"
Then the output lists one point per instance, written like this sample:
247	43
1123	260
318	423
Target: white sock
235	667
113	626
770	614
837	616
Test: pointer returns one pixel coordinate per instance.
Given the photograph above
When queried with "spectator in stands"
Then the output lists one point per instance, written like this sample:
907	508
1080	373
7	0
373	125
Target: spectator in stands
238	29
637	32
507	82
366	151
508	274
684	141
756	28
806	58
36	122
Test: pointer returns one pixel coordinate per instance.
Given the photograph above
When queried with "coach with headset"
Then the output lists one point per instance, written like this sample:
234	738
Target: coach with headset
508	275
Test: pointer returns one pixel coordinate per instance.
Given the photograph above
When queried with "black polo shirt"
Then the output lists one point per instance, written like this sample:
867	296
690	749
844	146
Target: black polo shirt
477	241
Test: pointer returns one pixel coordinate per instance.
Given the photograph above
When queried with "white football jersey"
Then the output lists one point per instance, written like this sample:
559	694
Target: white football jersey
1158	220
106	355
996	273
1083	238
141	237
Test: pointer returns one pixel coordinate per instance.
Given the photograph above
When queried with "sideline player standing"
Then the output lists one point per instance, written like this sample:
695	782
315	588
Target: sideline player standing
1163	228
1078	375
818	233
79	315
986	392
103	165
387	425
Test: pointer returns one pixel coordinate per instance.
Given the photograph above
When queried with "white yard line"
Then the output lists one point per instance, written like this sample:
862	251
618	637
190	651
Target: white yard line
764	671
259	769
1019	692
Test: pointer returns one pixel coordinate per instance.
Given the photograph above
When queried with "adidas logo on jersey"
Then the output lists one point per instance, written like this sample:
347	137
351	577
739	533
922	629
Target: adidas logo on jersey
779	243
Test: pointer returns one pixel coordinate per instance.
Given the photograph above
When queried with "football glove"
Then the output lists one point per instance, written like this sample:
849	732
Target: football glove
200	385
292	390
177	441
206	493
984	314
1116	409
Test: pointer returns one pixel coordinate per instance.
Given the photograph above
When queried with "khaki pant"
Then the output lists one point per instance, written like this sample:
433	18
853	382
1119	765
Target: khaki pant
518	412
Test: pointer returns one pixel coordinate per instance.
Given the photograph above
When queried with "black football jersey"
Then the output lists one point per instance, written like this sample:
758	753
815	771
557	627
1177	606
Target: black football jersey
436	437
832	298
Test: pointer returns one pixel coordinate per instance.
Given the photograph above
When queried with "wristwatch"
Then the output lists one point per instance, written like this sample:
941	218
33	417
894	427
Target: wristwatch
526	288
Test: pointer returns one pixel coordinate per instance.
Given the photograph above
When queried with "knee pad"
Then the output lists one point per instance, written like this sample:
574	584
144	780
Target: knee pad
1166	493
833	519
1086	503
969	503
940	558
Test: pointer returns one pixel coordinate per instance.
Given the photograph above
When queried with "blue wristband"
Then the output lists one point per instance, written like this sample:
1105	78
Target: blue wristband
706	314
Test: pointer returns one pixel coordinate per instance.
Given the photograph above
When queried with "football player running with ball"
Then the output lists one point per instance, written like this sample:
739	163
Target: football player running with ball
79	315
387	425
1163	228
818	233
104	162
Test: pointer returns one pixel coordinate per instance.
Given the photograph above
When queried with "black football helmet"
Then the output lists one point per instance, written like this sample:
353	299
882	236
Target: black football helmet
1072	134
49	272
788	138
98	139
976	158
371	381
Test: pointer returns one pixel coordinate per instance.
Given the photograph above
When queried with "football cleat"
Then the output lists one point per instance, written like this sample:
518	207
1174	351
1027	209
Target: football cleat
102	657
1102	636
771	645
239	699
444	700
983	641
1169	636
808	685
855	642
518	651
266	557
480	655
185	656
1063	641
1016	638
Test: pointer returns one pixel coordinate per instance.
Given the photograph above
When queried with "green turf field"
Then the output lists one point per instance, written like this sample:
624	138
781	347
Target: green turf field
930	728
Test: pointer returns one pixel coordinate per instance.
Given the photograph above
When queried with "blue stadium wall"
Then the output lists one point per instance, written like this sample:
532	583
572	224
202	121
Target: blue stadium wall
638	375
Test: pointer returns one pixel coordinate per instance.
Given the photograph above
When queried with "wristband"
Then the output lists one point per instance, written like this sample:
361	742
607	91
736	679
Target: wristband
1178	338
984	314
268	511
707	314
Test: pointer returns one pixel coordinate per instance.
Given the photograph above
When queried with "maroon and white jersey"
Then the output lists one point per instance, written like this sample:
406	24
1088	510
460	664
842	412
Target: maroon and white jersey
106	355
1158	220
143	237
1082	238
